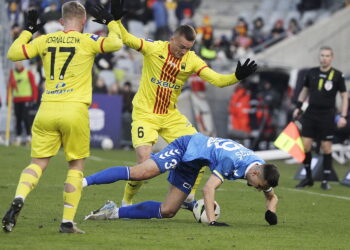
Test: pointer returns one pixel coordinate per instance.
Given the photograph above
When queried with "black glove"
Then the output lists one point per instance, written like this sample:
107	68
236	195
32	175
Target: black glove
271	217
101	14
218	224
245	70
32	19
117	9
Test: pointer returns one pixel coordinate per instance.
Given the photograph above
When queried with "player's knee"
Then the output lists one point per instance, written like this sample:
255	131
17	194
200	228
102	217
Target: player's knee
168	212
142	158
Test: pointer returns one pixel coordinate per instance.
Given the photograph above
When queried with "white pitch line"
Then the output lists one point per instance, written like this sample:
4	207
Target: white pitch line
97	158
308	192
315	193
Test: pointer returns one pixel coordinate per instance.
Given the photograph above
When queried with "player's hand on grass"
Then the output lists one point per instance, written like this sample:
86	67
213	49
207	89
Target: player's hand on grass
218	224
245	70
32	19
271	217
101	14
117	9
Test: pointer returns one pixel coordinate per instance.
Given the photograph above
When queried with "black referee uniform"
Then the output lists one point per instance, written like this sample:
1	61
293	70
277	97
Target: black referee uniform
318	121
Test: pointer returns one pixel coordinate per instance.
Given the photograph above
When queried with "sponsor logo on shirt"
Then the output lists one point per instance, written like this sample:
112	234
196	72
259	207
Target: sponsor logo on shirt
165	84
60	85
58	92
95	37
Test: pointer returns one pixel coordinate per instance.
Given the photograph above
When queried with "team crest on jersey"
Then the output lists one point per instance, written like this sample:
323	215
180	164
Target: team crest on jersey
95	37
183	66
328	85
149	40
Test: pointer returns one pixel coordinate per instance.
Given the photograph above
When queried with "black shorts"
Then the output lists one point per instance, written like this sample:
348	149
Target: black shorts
318	124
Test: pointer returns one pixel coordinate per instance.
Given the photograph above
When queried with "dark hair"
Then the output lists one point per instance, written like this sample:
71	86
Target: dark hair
187	31
271	175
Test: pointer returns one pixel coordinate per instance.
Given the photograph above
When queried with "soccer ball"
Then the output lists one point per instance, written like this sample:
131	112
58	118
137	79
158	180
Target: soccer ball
107	143
199	211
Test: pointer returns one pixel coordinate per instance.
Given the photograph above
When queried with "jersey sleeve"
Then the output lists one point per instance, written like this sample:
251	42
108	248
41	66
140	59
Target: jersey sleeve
111	43
223	169
139	44
21	49
342	86
209	75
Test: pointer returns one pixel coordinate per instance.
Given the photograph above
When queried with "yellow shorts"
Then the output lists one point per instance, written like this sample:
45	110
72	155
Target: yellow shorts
147	127
58	123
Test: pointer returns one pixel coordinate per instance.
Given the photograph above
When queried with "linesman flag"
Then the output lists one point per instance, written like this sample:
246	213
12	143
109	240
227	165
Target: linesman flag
290	141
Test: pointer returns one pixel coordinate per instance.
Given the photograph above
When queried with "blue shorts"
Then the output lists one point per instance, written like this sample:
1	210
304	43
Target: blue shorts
181	174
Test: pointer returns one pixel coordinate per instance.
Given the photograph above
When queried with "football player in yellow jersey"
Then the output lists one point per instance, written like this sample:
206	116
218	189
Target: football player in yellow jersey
62	119
166	67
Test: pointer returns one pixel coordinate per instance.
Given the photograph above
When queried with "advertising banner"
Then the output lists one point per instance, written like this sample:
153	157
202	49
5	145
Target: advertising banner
105	120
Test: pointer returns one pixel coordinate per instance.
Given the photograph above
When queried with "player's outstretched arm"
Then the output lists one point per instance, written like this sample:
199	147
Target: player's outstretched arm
113	41
271	207
136	43
209	199
222	80
130	40
20	49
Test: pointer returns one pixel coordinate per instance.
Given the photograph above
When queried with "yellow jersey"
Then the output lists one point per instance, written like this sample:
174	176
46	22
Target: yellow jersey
68	58
163	75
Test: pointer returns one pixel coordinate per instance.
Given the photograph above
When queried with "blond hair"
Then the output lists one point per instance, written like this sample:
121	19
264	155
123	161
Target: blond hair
73	9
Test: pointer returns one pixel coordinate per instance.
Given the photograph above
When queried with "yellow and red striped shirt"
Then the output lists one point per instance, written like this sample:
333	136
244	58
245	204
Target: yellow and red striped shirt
163	75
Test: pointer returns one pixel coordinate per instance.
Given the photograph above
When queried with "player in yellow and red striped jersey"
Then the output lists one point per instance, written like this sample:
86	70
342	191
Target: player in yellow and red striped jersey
166	67
62	118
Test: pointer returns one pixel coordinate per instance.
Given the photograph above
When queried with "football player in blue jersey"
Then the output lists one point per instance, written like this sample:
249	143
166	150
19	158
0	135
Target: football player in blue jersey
183	158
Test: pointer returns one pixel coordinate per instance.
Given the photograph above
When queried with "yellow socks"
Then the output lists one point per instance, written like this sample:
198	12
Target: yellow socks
28	180
131	189
198	181
72	194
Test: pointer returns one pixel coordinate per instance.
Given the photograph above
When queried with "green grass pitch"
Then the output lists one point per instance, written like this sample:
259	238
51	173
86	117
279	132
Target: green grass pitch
308	219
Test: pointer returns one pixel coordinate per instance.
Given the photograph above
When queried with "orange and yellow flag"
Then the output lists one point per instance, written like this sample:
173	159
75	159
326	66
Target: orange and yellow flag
290	141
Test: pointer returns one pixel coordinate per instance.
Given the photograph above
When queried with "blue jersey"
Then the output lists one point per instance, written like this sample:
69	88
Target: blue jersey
185	156
226	158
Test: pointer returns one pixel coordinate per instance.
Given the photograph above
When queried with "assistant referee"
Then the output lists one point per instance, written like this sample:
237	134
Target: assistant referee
321	85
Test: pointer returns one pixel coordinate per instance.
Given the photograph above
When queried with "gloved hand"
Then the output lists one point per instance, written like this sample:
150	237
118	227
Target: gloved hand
218	224
117	9
32	19
245	70
101	14
271	217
